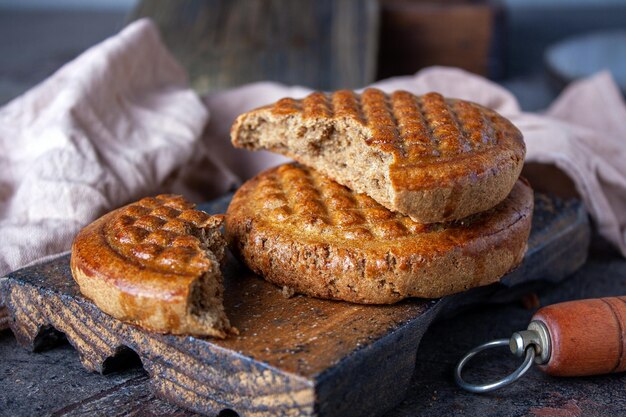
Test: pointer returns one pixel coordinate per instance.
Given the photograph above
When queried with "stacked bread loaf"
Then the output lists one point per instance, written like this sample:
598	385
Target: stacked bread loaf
393	196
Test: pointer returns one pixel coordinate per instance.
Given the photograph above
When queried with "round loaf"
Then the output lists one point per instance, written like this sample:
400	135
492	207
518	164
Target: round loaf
297	228
156	264
431	158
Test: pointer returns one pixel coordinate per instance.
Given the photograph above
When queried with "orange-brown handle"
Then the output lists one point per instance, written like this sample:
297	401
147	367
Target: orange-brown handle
588	337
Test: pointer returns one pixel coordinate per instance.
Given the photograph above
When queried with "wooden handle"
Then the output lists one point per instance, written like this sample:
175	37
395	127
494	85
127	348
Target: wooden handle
588	337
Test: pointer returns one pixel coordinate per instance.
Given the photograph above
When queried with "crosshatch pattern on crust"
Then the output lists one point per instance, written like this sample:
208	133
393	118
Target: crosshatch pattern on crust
162	233
297	228
303	197
410	127
428	157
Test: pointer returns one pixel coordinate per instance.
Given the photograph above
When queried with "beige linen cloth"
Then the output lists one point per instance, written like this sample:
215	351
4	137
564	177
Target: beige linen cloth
120	122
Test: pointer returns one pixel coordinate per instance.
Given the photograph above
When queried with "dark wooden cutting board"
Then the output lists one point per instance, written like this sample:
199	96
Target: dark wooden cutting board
296	356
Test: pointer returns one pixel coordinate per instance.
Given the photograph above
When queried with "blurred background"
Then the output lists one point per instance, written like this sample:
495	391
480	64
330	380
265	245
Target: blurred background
532	47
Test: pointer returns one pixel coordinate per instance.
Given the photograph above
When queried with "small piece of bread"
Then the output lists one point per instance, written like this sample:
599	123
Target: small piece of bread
427	157
155	263
298	228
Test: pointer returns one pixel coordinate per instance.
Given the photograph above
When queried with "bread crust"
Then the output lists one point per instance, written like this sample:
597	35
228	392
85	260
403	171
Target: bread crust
142	263
343	245
438	159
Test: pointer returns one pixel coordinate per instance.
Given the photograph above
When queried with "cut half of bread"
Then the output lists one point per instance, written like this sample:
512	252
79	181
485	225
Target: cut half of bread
430	158
156	264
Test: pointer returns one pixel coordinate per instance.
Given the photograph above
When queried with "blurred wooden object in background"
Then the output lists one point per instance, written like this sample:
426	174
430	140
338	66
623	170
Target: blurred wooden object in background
323	44
467	34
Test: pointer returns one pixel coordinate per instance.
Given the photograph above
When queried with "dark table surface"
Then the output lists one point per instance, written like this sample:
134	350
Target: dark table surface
54	382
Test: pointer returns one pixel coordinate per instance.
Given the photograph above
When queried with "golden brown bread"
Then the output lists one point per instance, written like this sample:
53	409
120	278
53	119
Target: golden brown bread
155	263
298	228
430	158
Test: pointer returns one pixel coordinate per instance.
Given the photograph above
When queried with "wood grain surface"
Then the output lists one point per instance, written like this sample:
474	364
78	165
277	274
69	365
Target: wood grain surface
53	382
285	361
4	315
588	337
466	34
322	44
295	356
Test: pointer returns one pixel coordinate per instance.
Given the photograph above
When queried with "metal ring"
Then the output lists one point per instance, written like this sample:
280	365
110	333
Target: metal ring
528	362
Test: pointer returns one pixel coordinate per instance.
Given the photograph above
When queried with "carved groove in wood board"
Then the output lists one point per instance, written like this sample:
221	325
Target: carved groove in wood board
4	317
176	376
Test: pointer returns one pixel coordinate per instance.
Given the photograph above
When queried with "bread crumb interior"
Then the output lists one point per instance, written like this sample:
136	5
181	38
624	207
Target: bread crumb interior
206	296
336	148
